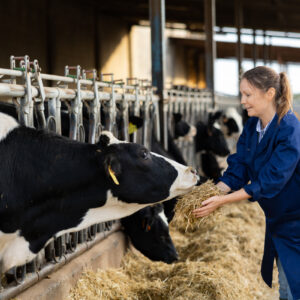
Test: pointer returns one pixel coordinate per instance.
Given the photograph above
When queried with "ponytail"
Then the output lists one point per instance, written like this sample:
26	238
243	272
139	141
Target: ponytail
284	100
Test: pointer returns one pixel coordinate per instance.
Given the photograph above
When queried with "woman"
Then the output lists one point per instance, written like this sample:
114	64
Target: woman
266	168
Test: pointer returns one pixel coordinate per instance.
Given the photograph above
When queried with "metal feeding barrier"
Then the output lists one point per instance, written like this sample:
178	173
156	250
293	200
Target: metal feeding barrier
80	105
80	100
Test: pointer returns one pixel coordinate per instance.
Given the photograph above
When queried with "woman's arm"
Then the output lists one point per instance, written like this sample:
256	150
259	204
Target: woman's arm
212	203
223	187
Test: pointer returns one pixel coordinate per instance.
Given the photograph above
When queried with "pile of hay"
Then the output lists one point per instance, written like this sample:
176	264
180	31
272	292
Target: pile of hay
219	260
184	218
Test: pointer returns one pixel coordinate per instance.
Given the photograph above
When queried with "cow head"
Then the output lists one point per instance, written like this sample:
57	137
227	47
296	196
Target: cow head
183	130
211	138
149	233
137	175
210	166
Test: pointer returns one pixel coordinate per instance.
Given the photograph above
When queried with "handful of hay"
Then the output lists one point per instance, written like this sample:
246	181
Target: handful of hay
184	217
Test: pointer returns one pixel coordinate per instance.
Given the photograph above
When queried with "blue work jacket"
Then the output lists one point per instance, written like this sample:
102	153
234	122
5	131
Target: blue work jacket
269	171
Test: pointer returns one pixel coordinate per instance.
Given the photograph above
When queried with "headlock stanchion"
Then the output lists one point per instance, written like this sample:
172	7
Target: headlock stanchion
80	105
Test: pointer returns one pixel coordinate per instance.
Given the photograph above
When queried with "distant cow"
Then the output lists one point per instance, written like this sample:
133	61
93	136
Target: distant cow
210	166
210	138
148	231
148	228
50	185
182	129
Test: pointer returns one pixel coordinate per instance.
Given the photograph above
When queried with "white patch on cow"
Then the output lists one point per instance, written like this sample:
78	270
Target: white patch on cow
163	217
14	250
199	161
113	209
112	138
7	124
217	125
231	112
189	137
185	180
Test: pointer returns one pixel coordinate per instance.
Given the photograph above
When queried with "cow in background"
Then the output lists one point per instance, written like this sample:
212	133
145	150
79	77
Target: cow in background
148	231
210	166
231	124
183	131
148	228
51	185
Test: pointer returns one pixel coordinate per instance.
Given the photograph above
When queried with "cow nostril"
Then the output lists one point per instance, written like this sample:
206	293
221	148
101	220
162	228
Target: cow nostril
194	171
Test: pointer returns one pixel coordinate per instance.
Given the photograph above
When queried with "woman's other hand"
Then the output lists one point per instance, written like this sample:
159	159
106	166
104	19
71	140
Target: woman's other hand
208	206
211	204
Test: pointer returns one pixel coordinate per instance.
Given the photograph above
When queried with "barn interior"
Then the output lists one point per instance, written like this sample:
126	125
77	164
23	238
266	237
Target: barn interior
166	42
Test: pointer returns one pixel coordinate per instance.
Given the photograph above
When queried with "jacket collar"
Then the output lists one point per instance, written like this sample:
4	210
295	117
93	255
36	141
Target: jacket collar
258	147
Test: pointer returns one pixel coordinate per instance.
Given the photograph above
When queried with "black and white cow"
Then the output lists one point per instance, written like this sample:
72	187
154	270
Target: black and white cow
148	230
50	185
210	166
230	120
210	138
182	129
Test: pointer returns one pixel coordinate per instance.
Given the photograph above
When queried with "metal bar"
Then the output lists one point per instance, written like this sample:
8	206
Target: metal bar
210	44
16	90
31	279
238	11
157	19
254	48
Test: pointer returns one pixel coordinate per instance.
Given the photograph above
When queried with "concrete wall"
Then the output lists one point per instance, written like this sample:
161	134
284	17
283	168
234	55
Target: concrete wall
60	33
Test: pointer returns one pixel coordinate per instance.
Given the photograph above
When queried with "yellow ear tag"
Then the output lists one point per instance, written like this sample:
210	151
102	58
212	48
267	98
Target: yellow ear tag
113	176
132	128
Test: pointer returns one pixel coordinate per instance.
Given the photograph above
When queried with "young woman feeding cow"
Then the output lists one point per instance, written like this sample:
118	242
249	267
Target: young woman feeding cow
266	168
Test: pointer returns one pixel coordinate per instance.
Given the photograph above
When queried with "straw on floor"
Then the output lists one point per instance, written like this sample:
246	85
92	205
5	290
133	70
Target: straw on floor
219	260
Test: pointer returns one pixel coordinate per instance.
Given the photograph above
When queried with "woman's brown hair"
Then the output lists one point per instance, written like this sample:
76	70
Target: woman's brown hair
264	78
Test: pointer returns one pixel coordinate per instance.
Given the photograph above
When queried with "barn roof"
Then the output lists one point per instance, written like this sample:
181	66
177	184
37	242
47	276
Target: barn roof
277	15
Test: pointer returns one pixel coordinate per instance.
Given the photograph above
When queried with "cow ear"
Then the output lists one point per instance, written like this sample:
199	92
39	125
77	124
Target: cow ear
112	167
145	225
209	130
137	121
177	117
103	141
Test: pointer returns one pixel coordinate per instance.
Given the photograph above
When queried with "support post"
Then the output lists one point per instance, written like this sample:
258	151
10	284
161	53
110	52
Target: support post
210	44
265	50
239	24
254	48
96	42
157	20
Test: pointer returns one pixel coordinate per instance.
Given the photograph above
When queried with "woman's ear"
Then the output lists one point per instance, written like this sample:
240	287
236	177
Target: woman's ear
112	167
271	92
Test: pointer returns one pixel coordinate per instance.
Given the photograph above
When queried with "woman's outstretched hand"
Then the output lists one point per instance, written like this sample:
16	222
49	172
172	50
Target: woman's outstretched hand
211	204
208	206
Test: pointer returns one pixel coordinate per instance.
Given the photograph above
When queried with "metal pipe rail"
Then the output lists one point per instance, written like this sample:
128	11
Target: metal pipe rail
25	87
36	275
193	105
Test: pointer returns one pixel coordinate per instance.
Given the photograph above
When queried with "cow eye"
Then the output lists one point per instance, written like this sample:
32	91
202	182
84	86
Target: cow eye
144	154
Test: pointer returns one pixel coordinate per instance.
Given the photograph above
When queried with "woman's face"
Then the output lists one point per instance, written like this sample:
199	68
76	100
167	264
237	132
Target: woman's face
254	100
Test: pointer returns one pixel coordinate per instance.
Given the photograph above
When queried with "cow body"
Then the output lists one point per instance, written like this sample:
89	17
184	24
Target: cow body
50	185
